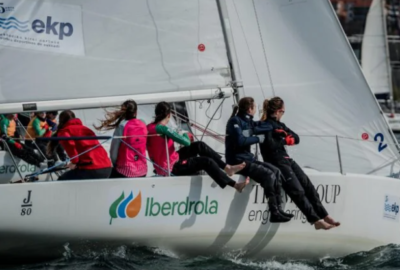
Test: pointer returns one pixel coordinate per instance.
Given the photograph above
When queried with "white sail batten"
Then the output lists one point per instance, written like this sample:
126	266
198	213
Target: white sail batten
374	54
84	49
313	68
116	100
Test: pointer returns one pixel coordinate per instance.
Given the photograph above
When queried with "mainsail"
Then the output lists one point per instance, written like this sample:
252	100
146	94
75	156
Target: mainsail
374	54
310	64
82	54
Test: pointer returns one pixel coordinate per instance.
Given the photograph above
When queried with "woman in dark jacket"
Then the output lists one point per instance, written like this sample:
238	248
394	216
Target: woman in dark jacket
297	184
239	130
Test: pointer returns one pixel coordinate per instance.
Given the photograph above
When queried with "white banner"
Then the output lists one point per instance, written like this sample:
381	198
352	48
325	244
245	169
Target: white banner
41	26
391	209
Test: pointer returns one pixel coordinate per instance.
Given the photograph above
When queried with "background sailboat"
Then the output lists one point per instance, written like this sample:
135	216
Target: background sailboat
375	60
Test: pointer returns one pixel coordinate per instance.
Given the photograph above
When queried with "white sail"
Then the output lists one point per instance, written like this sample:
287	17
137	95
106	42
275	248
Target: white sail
69	50
309	63
211	116
374	54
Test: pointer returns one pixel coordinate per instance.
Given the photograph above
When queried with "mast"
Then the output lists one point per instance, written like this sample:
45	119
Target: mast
230	48
388	66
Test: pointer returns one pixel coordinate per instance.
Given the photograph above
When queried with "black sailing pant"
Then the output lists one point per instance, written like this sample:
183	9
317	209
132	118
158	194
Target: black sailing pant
199	156
42	145
269	177
300	189
82	174
26	154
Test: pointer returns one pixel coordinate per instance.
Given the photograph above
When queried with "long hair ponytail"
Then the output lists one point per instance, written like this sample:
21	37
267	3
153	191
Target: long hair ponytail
244	105
271	106
264	116
163	109
235	110
127	111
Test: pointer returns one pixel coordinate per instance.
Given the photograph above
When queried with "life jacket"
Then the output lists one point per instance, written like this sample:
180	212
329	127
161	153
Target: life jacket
157	151
131	160
30	131
12	127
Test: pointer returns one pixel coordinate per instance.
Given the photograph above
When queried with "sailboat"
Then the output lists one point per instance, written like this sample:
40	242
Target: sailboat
375	60
94	53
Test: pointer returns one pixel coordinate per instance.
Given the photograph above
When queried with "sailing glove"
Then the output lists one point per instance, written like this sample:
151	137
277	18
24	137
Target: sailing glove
289	140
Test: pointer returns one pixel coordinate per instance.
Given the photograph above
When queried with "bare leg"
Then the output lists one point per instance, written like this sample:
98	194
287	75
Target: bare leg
322	225
232	169
330	220
240	186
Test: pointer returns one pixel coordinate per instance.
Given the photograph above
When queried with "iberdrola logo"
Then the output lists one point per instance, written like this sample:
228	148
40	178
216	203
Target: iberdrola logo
129	207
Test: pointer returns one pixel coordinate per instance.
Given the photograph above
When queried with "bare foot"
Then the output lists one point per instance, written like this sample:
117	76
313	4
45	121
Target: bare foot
232	169
330	220
322	225
240	186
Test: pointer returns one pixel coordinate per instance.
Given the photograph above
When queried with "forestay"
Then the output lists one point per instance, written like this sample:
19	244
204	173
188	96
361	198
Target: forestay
297	50
58	50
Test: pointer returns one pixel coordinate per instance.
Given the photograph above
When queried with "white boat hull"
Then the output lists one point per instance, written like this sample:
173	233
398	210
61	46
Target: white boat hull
37	219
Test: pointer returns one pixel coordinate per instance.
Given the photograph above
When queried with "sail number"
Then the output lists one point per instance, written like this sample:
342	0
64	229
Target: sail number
26	207
26	211
380	138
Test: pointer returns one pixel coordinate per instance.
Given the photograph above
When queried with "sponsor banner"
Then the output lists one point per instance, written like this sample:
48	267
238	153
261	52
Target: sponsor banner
128	205
11	169
328	194
42	26
391	207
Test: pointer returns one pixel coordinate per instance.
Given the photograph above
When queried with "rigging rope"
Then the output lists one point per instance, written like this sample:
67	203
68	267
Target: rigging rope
263	47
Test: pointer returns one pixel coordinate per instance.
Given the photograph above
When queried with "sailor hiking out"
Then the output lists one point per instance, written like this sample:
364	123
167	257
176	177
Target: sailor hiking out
297	184
238	143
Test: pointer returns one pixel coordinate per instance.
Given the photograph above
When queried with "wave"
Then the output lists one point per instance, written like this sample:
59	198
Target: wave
14	23
12	26
92	255
13	19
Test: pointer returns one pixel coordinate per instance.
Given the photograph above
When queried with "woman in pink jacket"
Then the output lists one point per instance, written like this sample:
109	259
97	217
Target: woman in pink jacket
128	155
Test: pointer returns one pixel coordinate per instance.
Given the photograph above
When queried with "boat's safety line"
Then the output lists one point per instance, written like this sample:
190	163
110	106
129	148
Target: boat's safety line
106	138
33	177
47	170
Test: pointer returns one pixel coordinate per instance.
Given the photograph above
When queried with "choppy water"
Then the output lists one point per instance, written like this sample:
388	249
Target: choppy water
387	257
